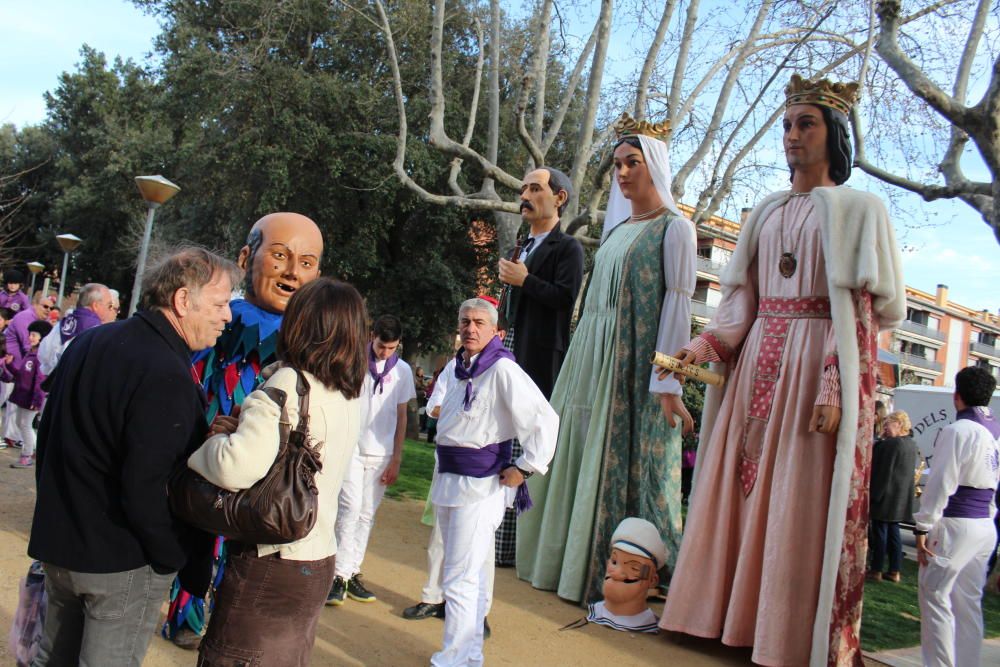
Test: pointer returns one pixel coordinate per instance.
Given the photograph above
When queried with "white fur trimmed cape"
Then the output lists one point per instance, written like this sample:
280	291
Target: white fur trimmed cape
859	247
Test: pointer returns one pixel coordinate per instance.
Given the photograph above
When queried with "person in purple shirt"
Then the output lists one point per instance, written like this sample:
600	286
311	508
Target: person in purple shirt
28	396
17	345
11	296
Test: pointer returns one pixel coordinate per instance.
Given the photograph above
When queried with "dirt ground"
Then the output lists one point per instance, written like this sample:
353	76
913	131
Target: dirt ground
525	621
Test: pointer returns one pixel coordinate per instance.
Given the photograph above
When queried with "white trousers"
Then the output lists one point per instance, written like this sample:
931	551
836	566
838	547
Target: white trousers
9	420
23	420
432	593
360	496
467	533
951	592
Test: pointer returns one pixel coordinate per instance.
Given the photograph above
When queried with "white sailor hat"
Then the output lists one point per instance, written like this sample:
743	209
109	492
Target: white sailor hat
641	538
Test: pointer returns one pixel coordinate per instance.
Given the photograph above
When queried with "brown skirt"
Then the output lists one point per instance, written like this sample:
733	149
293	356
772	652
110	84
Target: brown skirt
266	611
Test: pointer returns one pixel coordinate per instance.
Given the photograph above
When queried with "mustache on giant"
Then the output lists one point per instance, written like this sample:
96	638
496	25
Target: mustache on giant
526	206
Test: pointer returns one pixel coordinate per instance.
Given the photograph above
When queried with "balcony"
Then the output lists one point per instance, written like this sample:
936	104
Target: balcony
702	310
705	265
982	349
922	330
915	361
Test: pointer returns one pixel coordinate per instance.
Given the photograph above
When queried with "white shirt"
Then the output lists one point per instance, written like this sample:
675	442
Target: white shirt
534	246
444	378
379	408
965	454
50	350
506	405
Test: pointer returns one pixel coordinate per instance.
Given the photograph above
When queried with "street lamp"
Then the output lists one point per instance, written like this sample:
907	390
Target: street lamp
35	268
155	190
68	243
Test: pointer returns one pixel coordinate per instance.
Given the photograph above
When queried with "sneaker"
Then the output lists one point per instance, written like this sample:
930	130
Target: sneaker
357	591
891	576
187	639
23	462
336	596
423	610
873	575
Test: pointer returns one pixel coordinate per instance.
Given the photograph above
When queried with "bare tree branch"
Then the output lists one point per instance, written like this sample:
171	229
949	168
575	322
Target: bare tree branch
919	83
470	128
399	163
642	88
585	139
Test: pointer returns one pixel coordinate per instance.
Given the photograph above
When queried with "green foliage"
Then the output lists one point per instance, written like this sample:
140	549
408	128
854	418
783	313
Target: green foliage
414	472
891	617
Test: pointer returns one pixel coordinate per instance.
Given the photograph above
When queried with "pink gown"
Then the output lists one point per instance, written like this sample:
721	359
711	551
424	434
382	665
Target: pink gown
749	565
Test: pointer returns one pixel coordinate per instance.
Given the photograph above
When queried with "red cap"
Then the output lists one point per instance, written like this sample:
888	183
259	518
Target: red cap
493	301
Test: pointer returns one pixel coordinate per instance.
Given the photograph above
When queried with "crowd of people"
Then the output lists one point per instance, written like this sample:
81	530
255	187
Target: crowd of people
545	442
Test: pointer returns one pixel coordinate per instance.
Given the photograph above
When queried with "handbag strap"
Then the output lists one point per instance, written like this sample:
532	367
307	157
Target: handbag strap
302	389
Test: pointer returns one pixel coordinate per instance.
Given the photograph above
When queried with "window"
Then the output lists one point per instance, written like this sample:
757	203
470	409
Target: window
917	316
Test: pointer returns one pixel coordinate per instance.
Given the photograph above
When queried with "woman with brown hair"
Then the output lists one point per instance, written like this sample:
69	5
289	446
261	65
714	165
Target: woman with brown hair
267	607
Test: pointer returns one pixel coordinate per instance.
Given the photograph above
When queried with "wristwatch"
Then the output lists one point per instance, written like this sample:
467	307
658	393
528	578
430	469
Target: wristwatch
524	473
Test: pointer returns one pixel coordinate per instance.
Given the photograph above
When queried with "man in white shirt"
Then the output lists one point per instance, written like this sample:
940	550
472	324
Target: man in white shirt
491	403
375	464
954	527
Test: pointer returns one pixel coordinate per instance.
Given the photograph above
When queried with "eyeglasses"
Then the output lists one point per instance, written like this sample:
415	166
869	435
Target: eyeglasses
46	308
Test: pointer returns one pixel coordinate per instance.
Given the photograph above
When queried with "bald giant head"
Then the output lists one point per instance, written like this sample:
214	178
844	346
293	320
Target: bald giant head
282	254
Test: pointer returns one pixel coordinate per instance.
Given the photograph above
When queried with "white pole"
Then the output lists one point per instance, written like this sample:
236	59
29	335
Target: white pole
62	278
141	267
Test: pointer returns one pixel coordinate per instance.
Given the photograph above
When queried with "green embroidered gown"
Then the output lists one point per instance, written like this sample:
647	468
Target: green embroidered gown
616	456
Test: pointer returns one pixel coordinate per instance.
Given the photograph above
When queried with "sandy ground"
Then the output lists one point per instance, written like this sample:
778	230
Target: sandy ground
525	621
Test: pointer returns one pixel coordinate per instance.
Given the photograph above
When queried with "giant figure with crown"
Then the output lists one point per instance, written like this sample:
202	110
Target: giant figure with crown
619	451
773	555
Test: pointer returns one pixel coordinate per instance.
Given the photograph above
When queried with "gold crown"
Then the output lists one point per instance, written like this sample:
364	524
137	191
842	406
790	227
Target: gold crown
627	126
825	93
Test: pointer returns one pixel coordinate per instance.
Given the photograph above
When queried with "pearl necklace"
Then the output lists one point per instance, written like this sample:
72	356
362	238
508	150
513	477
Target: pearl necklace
649	215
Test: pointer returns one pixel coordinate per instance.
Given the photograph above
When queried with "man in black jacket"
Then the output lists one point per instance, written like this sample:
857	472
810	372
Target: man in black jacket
123	413
544	282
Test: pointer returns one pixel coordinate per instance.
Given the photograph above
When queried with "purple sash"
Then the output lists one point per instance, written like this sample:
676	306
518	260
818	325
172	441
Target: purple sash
969	503
483	462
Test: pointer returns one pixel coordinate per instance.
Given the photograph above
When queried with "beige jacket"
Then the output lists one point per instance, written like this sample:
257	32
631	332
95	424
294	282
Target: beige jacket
237	461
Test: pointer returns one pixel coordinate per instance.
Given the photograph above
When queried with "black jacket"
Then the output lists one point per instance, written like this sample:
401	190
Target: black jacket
123	413
543	307
894	462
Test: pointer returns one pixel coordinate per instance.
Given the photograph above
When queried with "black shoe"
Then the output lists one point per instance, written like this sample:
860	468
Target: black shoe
336	596
486	628
187	639
357	591
423	610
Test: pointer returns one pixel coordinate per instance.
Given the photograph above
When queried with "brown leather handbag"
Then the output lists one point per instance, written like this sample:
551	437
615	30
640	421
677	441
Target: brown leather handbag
279	508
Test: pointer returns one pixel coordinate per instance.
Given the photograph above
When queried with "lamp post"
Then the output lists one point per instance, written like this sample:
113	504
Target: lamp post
155	190
35	268
68	243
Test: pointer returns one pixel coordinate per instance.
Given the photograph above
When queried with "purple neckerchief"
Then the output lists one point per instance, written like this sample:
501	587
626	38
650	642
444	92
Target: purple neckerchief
983	417
492	353
76	323
483	462
390	363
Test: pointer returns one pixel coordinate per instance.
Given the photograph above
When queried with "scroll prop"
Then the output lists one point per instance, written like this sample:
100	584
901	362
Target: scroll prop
673	365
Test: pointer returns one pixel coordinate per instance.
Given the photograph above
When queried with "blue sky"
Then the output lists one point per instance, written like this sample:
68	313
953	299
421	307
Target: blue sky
41	39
